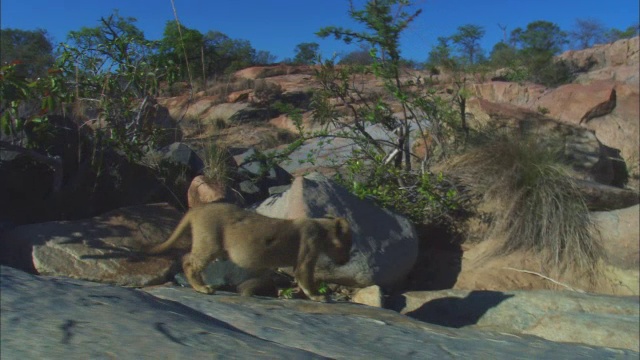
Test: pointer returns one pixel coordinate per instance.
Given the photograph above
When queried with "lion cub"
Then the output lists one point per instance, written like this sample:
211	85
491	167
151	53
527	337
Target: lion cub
256	242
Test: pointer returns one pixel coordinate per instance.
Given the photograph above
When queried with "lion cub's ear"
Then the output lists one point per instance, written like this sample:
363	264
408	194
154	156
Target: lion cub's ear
341	224
343	230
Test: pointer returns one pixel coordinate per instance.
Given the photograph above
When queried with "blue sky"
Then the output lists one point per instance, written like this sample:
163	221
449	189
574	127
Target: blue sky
279	25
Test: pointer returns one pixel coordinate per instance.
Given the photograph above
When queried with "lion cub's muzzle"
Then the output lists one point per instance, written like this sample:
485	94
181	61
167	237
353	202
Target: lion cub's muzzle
342	257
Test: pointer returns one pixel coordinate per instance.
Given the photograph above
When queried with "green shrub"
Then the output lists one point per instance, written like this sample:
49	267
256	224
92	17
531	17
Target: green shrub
219	123
552	73
266	93
543	110
423	198
541	209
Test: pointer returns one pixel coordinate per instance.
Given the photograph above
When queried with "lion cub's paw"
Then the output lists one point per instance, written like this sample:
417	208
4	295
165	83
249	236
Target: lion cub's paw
207	289
319	298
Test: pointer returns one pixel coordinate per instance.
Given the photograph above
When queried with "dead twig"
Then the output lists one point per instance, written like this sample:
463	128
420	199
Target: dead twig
546	278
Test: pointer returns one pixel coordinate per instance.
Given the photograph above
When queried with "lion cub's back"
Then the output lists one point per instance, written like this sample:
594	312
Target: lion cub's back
258	241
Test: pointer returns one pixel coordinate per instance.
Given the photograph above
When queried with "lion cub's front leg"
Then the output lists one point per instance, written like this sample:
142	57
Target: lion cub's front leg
305	276
193	267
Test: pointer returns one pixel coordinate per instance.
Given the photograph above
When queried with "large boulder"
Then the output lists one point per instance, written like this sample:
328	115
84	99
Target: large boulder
385	244
620	233
96	249
595	320
182	154
203	191
576	103
46	317
256	176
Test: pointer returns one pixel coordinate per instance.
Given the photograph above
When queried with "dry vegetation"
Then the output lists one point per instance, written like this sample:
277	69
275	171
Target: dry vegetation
538	206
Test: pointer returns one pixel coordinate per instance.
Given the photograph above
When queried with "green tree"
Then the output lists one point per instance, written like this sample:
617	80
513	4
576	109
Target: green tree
503	55
112	68
385	37
32	49
588	32
183	46
617	34
306	53
440	55
538	44
361	56
263	57
225	55
467	38
540	37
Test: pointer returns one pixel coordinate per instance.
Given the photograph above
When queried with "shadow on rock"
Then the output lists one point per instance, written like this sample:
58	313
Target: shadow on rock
458	312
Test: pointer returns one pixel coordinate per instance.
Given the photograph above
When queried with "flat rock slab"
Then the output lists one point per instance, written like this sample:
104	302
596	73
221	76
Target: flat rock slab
59	318
98	249
591	319
350	331
48	317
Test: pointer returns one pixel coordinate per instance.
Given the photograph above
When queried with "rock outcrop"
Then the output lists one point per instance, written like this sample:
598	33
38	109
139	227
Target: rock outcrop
591	159
620	53
604	99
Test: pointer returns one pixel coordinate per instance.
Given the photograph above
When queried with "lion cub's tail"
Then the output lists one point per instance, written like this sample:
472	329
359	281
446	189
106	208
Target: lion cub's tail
177	233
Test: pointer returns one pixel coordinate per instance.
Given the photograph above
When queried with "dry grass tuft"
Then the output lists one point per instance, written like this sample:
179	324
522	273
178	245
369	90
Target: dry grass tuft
541	208
217	161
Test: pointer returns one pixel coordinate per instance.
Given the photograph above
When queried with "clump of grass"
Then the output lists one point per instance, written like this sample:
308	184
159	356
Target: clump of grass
222	87
541	209
219	123
266	93
217	161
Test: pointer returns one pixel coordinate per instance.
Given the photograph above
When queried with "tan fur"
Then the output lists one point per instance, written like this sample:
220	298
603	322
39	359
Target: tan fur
256	242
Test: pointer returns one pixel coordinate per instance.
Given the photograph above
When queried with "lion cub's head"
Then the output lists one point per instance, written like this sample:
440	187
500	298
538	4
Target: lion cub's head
339	246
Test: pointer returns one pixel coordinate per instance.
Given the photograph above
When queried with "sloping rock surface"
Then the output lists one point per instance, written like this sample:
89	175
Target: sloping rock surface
46	317
576	103
554	315
96	249
66	319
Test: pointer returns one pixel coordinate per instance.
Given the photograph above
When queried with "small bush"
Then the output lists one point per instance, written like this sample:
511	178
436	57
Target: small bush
219	123
541	208
223	86
543	110
423	197
553	73
266	93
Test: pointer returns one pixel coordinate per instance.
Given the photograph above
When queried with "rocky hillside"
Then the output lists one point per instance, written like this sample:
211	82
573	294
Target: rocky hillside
604	99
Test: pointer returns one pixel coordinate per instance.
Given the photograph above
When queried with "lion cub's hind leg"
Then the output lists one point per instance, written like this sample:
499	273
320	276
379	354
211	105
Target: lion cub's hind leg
193	267
204	249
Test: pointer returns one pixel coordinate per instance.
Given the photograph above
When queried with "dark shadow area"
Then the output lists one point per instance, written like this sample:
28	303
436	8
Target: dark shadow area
439	258
454	311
